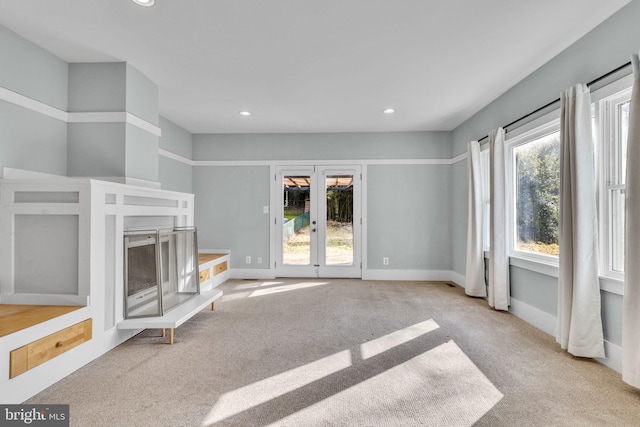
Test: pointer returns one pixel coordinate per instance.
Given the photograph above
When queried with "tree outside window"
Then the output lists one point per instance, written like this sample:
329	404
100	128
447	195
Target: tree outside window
537	192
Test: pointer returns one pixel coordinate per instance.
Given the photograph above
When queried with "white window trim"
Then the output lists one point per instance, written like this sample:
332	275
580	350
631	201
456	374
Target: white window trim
605	115
613	286
538	128
612	88
610	281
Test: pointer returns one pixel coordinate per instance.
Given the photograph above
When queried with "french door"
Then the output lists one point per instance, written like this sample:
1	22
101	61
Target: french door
318	229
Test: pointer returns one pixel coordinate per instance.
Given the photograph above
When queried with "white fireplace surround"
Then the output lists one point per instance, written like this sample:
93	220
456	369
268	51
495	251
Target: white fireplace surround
61	243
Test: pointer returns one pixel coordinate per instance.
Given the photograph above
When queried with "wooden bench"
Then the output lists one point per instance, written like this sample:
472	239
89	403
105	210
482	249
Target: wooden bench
16	317
214	269
29	345
175	317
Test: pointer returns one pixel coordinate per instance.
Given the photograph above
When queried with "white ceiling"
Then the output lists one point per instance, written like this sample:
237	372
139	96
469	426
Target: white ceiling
314	65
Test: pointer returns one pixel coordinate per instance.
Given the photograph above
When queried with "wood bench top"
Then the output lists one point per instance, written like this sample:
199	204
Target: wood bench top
16	317
204	258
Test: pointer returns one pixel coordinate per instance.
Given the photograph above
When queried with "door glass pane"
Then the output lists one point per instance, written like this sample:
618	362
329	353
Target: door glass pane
296	237
339	227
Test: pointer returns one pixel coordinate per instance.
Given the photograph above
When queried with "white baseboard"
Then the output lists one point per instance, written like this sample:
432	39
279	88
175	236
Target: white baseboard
436	275
252	273
423	275
534	316
458	279
613	356
547	323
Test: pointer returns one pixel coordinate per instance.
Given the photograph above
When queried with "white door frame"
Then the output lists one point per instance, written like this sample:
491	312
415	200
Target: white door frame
317	268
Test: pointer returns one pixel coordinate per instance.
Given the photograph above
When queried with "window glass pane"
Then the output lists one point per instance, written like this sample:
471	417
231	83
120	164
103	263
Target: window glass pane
623	131
339	229
537	173
617	229
613	123
296	236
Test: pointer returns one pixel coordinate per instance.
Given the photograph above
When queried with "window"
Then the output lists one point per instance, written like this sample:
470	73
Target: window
534	171
537	185
533	182
613	123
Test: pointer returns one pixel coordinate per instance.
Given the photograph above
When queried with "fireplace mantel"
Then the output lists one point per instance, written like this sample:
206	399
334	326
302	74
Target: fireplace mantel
61	243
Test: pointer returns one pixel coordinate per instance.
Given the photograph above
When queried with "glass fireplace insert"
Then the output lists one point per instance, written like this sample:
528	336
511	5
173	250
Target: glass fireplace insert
160	270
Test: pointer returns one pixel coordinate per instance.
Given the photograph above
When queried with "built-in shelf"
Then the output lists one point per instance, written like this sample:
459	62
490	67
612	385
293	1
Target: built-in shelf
176	316
61	243
214	269
16	317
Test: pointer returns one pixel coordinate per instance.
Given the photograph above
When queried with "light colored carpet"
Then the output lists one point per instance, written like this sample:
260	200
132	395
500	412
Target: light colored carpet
299	352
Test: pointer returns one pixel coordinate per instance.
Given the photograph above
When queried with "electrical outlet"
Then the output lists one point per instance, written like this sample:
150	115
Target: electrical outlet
385	261
259	260
248	260
265	209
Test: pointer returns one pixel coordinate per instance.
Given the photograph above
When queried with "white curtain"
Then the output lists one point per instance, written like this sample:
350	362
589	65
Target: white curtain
631	301
498	294
474	282
579	329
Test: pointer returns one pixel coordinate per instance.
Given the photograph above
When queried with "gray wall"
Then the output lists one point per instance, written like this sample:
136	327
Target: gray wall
34	141
436	205
543	295
319	146
173	174
229	201
141	153
603	49
458	219
96	149
112	149
612	315
32	71
30	140
408	217
97	87
408	204
606	47
142	99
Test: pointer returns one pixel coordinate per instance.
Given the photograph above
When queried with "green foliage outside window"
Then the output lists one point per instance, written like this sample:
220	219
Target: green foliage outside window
340	205
537	194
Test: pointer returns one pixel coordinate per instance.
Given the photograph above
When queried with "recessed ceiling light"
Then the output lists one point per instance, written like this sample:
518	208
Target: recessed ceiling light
146	3
389	110
244	113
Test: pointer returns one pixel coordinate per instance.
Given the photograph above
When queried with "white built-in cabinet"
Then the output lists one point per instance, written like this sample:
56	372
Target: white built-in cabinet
61	243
